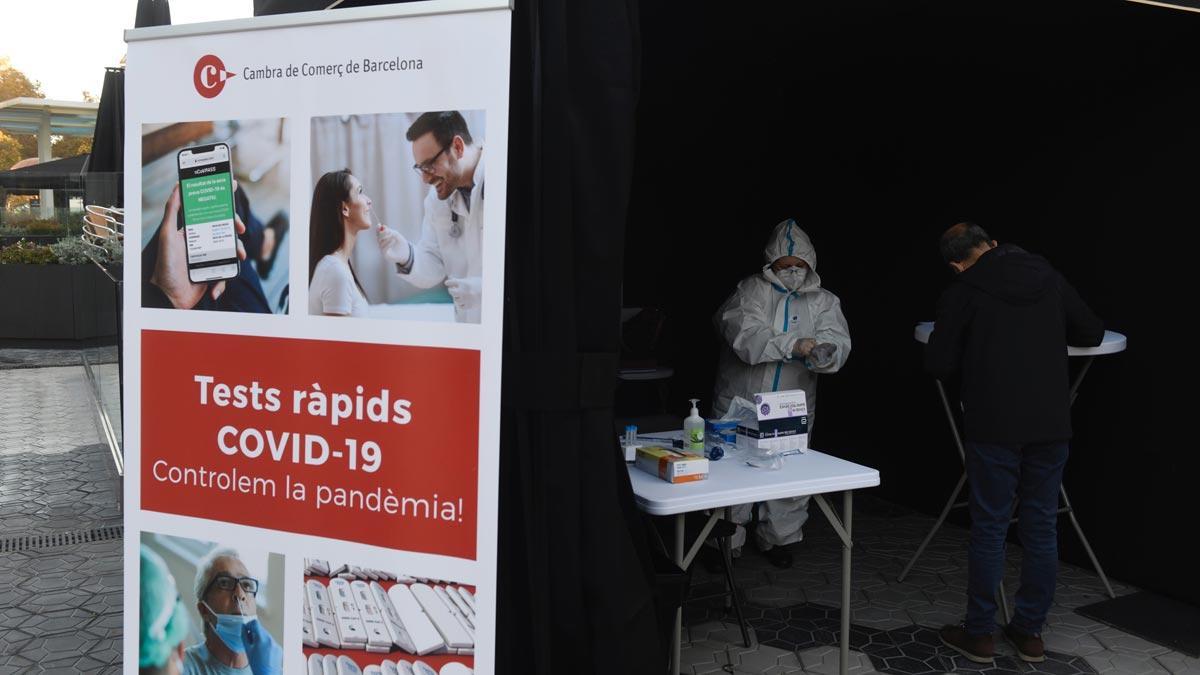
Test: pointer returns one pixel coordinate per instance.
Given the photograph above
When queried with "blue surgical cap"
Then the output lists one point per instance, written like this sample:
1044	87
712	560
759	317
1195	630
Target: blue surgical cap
164	622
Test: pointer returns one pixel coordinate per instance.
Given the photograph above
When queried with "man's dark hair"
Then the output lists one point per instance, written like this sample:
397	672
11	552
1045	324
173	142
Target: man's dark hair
958	241
445	125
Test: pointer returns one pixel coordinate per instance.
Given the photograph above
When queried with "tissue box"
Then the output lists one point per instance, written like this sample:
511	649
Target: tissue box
673	466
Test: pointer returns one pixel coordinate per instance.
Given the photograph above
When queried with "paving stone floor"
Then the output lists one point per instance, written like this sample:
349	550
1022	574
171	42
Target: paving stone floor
60	606
795	618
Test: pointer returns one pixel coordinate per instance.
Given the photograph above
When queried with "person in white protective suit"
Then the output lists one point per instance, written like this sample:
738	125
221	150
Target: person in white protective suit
450	250
780	329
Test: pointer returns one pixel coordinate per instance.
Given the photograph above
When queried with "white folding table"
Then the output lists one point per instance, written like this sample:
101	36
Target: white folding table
731	481
1111	344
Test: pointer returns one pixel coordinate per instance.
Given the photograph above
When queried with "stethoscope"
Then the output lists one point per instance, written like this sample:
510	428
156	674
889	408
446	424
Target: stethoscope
455	226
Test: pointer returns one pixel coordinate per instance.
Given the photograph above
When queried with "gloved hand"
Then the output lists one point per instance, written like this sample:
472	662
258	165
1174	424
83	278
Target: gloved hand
265	655
821	355
802	347
393	244
465	291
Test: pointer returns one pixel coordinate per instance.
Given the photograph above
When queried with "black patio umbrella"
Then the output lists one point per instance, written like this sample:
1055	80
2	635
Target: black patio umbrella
104	184
152	13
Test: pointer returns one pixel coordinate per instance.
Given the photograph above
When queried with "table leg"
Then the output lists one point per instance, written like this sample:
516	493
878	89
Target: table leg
843	529
677	639
847	578
1087	364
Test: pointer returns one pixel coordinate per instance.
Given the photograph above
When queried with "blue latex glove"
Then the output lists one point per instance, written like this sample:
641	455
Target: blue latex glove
265	655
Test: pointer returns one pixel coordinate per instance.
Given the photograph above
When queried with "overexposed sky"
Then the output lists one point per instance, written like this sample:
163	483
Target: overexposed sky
66	44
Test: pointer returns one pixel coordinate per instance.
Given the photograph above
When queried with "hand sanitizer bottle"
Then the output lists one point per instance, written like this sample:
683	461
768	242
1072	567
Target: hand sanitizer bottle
693	430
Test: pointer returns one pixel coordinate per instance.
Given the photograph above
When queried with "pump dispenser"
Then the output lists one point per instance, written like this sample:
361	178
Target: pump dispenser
693	429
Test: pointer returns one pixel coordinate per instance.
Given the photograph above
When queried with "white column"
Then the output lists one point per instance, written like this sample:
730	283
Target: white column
43	139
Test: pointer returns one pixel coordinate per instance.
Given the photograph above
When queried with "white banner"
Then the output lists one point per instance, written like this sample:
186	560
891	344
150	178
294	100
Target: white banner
313	341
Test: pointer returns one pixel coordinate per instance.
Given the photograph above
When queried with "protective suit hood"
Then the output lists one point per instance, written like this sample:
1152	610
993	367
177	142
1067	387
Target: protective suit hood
1011	274
788	239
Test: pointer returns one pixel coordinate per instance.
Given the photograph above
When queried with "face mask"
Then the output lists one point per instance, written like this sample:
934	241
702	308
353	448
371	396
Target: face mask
792	277
229	628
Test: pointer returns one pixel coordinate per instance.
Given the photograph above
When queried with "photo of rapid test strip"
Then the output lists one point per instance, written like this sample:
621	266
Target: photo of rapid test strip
379	638
457	599
324	622
391	620
308	634
425	636
345	611
456	611
456	637
347	666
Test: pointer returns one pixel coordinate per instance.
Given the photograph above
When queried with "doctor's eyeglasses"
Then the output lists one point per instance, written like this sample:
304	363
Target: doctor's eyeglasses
228	583
426	167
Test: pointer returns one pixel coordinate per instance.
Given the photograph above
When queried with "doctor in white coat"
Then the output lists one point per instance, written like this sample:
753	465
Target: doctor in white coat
780	329
450	250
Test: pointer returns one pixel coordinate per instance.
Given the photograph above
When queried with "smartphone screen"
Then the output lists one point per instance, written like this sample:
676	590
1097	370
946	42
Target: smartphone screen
206	190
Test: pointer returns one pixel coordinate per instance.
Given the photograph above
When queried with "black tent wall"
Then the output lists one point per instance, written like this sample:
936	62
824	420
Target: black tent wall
1067	127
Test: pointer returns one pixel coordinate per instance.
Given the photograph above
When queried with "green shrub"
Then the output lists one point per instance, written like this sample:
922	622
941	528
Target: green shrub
27	253
72	251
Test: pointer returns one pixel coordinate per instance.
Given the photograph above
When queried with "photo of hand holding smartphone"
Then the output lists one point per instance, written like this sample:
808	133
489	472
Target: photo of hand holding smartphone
206	190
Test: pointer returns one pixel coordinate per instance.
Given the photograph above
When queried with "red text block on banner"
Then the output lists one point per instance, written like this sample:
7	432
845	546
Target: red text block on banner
377	444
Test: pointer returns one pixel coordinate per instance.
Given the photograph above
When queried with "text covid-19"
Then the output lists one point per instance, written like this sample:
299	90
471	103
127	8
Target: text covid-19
303	448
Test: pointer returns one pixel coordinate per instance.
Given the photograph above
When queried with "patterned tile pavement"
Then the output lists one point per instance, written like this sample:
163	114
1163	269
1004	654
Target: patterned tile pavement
60	607
894	625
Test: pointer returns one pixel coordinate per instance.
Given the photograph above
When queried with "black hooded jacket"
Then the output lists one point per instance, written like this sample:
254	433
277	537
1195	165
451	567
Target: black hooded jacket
1003	326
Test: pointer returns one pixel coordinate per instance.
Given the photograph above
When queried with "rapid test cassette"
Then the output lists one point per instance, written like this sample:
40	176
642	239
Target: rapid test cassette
347	666
345	610
324	622
379	638
308	633
424	636
391	620
456	636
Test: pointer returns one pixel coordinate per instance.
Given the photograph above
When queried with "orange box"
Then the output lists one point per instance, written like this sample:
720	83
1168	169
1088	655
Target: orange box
673	466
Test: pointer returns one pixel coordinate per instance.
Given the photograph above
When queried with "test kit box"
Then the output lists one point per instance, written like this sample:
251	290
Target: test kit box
781	424
673	466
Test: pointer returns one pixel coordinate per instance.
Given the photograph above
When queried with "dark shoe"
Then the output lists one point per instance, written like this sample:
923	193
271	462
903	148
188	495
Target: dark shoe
778	556
1029	647
977	648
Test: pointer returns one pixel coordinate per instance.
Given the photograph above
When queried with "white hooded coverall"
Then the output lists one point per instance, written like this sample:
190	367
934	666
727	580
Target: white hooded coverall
759	325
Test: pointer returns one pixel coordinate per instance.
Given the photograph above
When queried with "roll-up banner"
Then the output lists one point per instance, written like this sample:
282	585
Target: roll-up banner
313	340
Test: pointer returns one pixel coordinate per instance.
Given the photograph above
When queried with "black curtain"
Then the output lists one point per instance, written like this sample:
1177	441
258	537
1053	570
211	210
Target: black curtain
575	579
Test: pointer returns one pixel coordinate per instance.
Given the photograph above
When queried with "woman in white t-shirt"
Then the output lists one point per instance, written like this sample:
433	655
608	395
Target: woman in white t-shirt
340	210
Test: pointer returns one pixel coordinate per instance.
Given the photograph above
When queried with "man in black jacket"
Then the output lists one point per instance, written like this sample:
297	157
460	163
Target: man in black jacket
1003	326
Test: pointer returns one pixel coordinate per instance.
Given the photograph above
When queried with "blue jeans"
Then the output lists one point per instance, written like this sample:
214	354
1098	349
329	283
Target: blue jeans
998	472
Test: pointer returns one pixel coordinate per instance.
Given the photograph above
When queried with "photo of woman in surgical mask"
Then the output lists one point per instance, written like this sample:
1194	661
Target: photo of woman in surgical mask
234	627
341	210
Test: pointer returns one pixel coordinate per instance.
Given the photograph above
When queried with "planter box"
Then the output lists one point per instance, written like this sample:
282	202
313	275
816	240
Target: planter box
56	302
